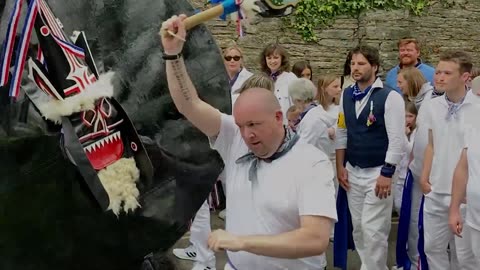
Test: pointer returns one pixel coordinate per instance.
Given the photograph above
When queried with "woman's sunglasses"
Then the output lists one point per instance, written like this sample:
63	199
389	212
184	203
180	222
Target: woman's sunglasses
229	58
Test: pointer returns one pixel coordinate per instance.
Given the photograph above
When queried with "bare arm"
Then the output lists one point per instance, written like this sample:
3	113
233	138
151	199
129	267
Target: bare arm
184	95
311	239
340	157
201	114
460	179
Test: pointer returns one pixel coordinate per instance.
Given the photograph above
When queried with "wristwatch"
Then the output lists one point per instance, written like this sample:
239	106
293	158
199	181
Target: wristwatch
172	57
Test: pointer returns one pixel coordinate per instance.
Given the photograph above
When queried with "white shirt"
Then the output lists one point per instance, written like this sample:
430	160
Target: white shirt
299	183
472	145
448	142
281	92
314	129
394	123
403	165
242	77
420	140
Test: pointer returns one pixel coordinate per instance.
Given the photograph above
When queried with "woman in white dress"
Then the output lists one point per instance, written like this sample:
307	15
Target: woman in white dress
329	91
274	61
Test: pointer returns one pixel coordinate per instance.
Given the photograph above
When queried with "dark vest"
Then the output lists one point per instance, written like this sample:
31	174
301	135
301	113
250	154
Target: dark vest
366	145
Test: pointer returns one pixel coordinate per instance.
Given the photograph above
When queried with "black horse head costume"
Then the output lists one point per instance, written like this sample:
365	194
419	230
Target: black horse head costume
98	168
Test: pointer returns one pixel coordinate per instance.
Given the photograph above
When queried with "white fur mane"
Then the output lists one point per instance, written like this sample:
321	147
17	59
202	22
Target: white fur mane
119	181
54	109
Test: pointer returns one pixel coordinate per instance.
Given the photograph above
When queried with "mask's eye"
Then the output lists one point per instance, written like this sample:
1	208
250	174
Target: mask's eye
88	117
106	108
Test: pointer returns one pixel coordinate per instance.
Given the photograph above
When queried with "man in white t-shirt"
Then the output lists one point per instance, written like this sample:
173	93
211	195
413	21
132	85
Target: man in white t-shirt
443	119
279	189
466	184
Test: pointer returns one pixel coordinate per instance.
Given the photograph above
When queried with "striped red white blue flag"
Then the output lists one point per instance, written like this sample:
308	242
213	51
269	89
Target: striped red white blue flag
69	47
22	48
9	43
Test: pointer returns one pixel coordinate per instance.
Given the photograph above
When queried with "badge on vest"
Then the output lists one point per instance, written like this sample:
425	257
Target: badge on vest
341	121
371	118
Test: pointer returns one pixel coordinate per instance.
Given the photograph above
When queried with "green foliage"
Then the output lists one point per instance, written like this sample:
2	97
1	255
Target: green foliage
310	14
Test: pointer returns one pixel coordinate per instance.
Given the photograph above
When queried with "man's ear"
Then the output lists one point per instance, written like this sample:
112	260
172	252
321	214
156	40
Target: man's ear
465	76
279	115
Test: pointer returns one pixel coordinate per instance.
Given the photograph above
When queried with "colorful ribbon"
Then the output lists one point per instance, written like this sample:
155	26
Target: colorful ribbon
22	48
9	43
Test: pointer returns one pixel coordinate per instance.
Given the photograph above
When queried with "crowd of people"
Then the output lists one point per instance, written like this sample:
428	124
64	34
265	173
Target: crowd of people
406	144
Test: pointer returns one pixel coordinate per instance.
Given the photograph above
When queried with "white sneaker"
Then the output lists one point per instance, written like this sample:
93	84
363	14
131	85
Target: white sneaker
189	253
199	266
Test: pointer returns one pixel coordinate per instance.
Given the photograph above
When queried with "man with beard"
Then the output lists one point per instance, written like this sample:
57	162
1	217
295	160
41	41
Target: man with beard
409	56
370	143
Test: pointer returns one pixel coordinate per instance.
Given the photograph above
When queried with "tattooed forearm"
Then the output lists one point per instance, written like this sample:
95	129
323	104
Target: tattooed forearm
179	73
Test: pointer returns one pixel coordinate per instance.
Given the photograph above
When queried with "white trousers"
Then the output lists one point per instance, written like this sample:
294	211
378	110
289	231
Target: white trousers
336	184
371	217
438	237
228	267
413	229
199	232
474	235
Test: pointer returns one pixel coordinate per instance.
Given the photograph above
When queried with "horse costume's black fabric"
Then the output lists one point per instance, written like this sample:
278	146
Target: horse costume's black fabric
49	218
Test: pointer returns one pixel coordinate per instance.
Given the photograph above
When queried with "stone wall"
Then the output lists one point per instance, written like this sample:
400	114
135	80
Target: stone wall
456	27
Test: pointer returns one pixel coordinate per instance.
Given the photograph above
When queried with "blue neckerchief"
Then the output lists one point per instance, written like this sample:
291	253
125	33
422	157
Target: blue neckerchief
308	108
234	79
302	114
453	107
289	141
275	75
359	95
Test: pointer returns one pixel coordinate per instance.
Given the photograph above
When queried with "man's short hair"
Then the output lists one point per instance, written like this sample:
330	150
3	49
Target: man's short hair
258	81
370	53
463	59
407	40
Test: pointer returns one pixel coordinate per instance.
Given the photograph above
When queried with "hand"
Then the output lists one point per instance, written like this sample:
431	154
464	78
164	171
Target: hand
408	130
426	186
342	176
223	240
173	45
455	222
383	188
331	133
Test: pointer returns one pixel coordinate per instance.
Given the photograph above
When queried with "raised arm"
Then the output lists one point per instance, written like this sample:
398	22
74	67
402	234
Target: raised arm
201	114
